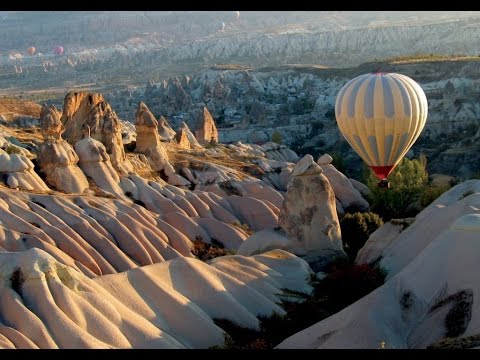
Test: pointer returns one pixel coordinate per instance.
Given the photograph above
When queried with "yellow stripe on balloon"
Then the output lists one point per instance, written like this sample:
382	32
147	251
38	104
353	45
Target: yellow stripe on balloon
381	116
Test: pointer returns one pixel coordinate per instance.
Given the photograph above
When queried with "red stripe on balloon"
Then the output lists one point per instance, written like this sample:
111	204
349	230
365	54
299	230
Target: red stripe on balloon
382	172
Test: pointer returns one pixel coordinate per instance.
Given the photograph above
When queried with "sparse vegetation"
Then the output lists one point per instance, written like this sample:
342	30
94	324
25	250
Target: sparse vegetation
16	281
466	193
229	188
12	149
347	283
244	227
338	162
356	229
459	315
457	343
204	251
277	137
344	284
97	191
211	144
428	57
431	192
406	301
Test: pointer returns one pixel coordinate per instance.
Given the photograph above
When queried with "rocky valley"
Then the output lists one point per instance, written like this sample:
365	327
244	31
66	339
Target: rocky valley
298	104
109	232
178	180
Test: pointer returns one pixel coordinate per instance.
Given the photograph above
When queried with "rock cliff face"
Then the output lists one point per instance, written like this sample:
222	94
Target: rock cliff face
82	109
162	39
56	157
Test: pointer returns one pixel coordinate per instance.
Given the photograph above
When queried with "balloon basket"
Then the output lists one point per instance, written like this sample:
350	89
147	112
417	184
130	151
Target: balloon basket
384	184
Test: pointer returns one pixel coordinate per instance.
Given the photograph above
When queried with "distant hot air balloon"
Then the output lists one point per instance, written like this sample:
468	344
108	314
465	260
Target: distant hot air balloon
31	50
222	26
381	115
58	50
237	14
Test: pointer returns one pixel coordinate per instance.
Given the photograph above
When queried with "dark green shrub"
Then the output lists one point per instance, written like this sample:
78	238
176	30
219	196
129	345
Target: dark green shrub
338	162
12	149
211	144
431	192
277	137
348	283
205	252
344	284
356	229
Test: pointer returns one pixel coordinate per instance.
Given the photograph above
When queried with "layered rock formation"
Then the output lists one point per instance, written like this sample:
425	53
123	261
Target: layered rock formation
95	163
148	140
56	157
186	139
165	130
83	108
428	302
47	304
17	169
50	124
308	214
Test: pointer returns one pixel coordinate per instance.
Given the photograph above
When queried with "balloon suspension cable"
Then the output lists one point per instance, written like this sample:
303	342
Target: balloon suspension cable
384	183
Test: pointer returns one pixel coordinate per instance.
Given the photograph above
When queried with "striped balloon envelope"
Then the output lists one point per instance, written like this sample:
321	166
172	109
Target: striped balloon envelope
381	115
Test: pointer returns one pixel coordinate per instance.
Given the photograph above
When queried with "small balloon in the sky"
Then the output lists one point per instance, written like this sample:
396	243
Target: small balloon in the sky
222	26
31	50
58	50
237	14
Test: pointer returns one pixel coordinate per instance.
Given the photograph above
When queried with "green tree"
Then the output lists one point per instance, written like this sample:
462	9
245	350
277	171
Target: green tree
356	229
277	137
407	183
338	162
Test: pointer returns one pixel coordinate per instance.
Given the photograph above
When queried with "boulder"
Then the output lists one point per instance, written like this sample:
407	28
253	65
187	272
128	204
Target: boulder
349	197
186	139
308	214
205	129
165	130
325	159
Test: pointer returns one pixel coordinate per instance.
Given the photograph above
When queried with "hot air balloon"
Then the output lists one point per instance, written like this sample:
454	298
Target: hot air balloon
237	15
31	50
381	115
58	50
222	26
